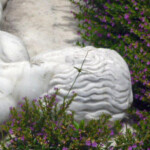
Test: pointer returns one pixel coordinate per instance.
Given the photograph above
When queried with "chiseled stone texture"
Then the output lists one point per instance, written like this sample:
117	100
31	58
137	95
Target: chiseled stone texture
103	85
43	25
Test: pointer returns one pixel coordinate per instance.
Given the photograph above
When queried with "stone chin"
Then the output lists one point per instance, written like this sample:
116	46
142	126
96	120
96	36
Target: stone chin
103	85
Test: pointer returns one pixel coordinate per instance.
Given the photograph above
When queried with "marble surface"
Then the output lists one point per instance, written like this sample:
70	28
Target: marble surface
103	86
43	25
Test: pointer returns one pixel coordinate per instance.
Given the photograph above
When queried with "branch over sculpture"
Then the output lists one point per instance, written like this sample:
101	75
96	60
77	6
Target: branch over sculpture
104	85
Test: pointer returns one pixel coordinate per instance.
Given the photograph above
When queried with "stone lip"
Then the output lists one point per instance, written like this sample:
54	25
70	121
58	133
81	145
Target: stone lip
42	25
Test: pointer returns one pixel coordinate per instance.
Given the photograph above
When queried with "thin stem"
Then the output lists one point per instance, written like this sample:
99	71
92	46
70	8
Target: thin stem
79	71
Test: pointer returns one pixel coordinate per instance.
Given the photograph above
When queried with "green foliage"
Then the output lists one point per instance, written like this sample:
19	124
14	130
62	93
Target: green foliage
125	27
45	125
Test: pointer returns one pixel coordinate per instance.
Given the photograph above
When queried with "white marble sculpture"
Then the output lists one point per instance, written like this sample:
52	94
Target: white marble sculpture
103	86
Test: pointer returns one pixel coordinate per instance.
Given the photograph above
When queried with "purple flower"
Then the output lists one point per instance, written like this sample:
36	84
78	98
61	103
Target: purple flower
145	23
55	88
99	34
134	146
135	3
126	16
89	28
87	34
105	7
86	20
145	69
65	148
141	97
10	131
12	124
19	129
141	50
144	77
129	22
35	100
39	134
135	57
148	44
119	36
94	144
136	45
130	148
22	138
142	13
139	114
112	133
126	7
131	72
143	90
88	143
11	141
104	19
134	134
99	130
126	35
108	35
111	148
81	137
142	19
112	24
136	96
141	26
31	128
11	108
141	143
148	63
105	26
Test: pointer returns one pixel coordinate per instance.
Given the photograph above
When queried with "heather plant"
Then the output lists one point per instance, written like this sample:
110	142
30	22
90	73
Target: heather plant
42	125
125	27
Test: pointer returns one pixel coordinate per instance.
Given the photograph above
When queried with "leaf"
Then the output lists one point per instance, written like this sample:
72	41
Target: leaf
82	124
76	125
79	70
